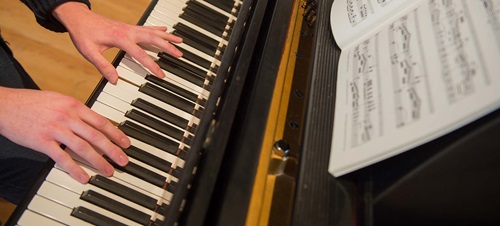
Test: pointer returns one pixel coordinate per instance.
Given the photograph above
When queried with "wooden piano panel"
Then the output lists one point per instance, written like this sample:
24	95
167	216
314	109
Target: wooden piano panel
259	212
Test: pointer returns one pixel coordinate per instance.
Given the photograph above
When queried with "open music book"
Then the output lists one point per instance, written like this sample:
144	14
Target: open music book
409	72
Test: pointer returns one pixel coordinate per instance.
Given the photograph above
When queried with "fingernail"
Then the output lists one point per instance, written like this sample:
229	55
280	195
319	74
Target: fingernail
123	160
161	74
112	78
125	142
109	170
83	178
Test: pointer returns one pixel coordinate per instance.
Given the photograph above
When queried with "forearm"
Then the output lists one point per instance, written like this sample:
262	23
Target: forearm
43	10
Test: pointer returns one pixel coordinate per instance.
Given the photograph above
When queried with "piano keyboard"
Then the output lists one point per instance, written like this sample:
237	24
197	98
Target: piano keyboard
160	116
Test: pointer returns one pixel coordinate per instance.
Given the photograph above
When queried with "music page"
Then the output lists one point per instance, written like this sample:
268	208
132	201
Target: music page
353	20
431	69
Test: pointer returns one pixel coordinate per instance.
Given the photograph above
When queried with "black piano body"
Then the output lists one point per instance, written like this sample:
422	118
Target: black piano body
448	181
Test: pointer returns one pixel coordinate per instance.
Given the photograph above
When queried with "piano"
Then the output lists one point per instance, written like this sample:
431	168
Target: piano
239	133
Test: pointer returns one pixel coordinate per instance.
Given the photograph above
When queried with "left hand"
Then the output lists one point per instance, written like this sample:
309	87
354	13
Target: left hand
92	34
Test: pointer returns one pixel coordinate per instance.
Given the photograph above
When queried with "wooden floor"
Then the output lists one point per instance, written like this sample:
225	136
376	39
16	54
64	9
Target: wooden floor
51	58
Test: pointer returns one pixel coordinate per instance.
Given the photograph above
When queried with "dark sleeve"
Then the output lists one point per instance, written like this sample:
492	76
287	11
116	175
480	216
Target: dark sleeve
43	12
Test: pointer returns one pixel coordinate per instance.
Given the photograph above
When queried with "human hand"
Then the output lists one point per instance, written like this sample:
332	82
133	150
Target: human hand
43	120
92	34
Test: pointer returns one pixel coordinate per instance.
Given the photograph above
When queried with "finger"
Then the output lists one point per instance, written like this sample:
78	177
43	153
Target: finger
103	125
63	159
98	141
160	28
154	32
98	133
160	40
170	37
167	47
165	36
103	66
85	151
142	57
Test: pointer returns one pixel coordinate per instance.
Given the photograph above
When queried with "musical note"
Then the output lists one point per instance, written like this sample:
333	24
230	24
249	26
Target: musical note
363	93
408	70
455	36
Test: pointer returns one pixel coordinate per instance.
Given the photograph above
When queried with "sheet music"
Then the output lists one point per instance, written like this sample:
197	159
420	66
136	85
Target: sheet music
420	75
352	18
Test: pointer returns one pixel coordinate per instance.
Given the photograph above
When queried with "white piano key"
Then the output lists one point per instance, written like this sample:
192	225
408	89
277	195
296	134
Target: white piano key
138	74
62	179
126	178
154	55
54	211
207	4
155	170
118	116
176	7
43	211
71	200
167	17
135	73
152	21
119	108
30	218
172	93
176	161
110	113
128	92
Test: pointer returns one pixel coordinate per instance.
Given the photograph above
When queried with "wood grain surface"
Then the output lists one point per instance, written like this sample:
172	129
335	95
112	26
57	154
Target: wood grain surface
49	57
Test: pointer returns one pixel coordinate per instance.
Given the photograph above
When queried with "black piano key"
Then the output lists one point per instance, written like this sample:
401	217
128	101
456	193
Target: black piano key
163	209
148	158
176	89
193	58
123	191
222	4
190	137
157	222
214	69
92	217
208	41
115	207
176	172
197	113
140	172
174	69
160	113
182	154
208	25
189	68
222	50
208	13
196	39
202	102
155	124
169	98
138	132
187	141
171	186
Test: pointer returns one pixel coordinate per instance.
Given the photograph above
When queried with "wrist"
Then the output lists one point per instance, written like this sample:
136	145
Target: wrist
70	12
